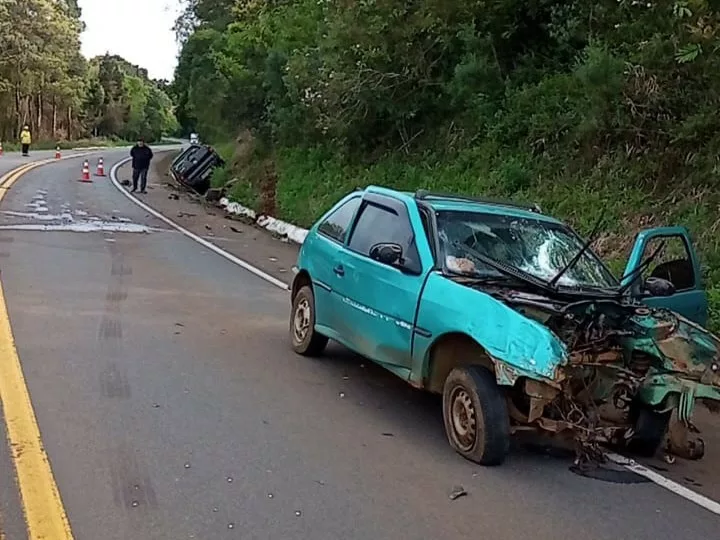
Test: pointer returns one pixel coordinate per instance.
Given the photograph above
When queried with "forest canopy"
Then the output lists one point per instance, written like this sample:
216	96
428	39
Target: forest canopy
47	84
589	108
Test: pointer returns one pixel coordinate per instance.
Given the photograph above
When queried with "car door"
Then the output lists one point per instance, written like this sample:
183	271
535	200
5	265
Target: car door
324	251
677	263
379	300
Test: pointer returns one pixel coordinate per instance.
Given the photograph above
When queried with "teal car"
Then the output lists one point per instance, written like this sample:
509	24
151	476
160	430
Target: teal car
512	317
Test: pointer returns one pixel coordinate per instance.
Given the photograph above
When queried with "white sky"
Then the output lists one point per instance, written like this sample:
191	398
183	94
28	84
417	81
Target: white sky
138	30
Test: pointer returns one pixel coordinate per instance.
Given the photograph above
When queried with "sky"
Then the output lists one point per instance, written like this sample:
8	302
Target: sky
138	30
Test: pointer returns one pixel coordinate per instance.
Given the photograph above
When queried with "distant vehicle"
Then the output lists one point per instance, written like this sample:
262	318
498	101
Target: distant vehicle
510	316
194	138
193	167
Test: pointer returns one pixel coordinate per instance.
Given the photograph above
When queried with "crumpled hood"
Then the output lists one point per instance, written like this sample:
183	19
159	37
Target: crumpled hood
678	345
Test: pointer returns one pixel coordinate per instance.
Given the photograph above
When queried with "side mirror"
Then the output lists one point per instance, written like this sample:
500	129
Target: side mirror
659	287
386	253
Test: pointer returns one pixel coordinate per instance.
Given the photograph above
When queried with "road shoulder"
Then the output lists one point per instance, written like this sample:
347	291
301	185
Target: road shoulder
255	246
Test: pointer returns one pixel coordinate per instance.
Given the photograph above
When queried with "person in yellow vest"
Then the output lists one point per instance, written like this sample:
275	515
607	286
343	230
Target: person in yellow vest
25	140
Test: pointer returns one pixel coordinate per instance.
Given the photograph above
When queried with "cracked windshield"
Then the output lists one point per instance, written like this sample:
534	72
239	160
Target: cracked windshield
539	248
328	269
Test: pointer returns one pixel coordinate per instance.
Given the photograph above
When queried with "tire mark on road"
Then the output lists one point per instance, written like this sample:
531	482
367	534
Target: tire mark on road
114	382
132	486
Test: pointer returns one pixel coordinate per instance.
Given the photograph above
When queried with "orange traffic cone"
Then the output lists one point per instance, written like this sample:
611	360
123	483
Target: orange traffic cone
1	149
100	168
57	153
85	172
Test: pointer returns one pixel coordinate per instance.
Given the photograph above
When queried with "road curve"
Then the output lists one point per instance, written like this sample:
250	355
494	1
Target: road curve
171	407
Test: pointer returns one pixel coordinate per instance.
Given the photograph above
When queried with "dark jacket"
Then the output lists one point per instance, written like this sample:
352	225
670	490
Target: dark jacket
141	156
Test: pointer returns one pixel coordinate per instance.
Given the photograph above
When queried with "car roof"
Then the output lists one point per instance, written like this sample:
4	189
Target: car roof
459	203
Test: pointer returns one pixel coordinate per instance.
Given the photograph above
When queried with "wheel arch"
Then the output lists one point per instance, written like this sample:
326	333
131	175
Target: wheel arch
301	279
451	350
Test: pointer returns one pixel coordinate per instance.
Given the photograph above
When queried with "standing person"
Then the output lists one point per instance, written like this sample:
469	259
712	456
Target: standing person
25	140
141	157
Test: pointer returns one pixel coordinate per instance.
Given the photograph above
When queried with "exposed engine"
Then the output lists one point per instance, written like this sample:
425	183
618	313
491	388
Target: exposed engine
596	395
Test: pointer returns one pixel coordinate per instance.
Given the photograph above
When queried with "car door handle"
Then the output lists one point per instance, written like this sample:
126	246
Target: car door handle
339	270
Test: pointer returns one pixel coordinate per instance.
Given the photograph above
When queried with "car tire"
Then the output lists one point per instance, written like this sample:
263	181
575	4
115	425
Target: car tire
650	429
303	336
476	417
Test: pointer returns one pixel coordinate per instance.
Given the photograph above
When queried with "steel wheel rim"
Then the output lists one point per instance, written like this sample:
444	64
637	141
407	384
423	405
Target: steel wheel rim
301	320
463	419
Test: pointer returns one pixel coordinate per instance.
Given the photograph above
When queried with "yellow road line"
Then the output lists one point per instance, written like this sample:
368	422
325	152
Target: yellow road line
45	514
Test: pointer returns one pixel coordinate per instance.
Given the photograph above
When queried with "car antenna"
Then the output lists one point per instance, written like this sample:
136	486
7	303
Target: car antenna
579	254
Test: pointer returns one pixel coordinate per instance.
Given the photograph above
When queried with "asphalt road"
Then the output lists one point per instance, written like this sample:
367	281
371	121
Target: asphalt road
171	406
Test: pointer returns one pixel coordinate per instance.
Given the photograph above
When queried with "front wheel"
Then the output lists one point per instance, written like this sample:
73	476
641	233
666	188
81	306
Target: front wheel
303	336
650	429
477	423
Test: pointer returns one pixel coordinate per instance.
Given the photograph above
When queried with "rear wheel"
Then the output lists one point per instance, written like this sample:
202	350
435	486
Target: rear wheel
476	416
303	336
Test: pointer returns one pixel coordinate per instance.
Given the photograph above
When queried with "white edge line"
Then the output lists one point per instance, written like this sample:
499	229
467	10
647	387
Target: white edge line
229	256
666	483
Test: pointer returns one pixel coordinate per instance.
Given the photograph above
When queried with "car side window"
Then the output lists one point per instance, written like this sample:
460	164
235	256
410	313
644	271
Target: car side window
336	224
376	225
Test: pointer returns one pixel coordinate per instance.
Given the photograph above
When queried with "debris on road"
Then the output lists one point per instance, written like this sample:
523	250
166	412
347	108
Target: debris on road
457	492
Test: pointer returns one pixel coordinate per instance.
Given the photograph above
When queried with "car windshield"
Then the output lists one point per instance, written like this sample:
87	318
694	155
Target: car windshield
536	247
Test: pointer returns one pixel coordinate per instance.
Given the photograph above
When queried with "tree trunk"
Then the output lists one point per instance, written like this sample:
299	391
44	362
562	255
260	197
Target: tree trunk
18	118
54	118
69	124
39	115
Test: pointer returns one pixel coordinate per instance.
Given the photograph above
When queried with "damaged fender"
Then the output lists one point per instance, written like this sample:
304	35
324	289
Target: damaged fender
518	346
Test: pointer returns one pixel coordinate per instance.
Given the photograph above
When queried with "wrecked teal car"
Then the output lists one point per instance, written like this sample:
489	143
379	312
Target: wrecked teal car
512	317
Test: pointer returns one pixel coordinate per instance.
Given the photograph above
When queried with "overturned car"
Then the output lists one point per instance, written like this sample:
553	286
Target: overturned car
511	317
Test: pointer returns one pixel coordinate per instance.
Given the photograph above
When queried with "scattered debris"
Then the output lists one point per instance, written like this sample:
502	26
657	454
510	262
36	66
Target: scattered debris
174	197
457	492
185	214
342	395
298	513
229	479
187	465
388	434
125	182
235	229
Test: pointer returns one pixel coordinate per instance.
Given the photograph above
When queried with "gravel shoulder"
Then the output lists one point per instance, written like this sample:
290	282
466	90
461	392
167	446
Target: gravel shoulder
247	242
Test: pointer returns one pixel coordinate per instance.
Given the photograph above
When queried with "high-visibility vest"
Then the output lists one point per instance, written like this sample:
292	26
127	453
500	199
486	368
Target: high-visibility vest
25	137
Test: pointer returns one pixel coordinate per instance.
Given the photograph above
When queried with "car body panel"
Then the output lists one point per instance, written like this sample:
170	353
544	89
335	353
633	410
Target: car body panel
526	346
